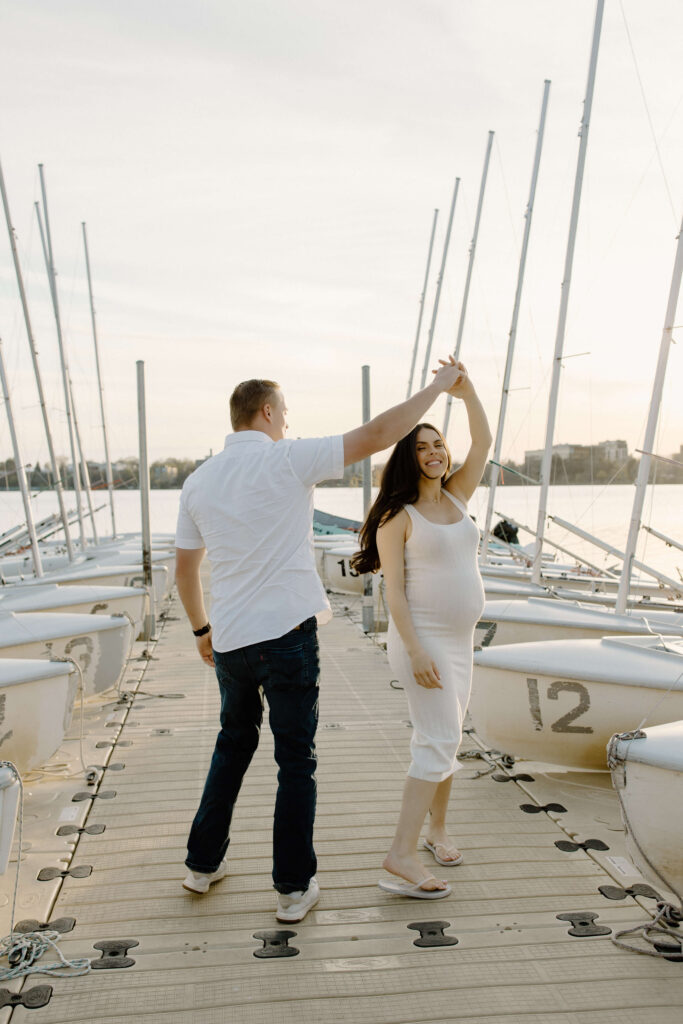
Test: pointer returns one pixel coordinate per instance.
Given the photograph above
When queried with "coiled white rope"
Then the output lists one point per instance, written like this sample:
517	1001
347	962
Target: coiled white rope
653	932
23	950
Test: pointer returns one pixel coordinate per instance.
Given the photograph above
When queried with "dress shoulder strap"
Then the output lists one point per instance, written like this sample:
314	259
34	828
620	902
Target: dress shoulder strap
456	501
411	512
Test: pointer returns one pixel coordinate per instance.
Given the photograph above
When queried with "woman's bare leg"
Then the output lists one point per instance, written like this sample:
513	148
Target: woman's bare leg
402	859
436	827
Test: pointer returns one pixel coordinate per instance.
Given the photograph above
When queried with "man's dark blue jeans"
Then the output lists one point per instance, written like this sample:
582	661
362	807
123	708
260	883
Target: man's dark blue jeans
286	671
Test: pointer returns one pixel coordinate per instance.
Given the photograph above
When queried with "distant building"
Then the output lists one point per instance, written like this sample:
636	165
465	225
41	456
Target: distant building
163	474
560	451
613	451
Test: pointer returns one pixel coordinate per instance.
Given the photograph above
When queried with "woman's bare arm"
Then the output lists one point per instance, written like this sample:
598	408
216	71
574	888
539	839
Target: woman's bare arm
391	539
464	482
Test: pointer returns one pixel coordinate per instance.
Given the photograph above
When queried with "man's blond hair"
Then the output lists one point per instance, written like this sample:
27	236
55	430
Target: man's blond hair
248	399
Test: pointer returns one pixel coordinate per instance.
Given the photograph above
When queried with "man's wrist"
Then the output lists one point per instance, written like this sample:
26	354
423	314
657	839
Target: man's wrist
203	631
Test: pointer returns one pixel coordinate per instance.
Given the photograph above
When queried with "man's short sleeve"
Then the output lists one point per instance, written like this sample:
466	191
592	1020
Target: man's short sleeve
187	535
314	459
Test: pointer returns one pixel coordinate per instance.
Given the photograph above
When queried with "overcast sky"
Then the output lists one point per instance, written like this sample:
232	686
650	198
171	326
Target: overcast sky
259	178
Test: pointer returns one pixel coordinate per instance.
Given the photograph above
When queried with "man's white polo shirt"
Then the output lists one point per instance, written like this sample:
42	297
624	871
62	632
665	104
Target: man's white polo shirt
251	507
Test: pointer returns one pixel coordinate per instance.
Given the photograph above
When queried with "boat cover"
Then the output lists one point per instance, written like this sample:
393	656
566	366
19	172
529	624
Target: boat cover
539	611
14	671
656	665
22	627
662	747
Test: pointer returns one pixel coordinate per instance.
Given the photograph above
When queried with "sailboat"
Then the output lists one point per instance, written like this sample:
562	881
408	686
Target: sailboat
560	701
512	676
10	793
647	774
100	644
27	739
52	597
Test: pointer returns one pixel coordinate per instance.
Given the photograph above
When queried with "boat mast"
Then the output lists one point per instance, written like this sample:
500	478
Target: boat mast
21	472
422	306
150	620
650	430
49	263
36	369
470	267
110	479
368	616
546	462
439	282
512	337
84	465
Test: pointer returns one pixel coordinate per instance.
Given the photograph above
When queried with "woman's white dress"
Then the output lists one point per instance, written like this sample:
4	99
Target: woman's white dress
445	595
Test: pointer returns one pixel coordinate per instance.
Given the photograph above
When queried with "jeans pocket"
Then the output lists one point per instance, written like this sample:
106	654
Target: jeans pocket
293	663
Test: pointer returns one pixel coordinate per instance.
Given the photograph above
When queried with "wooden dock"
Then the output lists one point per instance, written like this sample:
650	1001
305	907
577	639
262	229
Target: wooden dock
510	961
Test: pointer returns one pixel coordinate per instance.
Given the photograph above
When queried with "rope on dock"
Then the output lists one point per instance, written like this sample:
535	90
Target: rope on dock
23	950
655	933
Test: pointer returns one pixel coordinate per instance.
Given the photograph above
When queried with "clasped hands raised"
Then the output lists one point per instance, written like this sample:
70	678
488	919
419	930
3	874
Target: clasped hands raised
452	376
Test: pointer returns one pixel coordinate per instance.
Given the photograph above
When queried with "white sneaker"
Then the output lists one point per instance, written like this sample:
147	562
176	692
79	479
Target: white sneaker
199	883
293	906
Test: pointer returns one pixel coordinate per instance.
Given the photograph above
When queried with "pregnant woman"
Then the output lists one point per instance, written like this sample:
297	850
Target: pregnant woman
419	533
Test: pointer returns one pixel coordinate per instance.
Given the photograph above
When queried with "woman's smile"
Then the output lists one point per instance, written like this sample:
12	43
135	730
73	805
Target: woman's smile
430	451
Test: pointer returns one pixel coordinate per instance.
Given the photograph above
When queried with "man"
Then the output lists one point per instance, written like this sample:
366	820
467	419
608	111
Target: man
251	508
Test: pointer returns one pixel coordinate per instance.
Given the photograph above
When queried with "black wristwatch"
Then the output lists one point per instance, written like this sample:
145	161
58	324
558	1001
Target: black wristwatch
203	631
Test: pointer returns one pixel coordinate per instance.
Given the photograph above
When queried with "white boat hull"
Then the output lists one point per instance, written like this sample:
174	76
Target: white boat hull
652	799
320	546
91	558
647	774
52	597
100	645
9	805
560	702
512	622
36	707
108	575
337	574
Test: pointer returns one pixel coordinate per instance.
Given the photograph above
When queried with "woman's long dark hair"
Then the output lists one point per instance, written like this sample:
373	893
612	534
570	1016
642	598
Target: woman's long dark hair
399	486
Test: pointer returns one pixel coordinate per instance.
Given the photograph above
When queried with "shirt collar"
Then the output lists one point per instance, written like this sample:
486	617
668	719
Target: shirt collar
247	435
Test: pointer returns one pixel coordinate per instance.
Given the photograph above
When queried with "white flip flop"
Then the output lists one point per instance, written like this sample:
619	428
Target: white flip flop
432	847
414	890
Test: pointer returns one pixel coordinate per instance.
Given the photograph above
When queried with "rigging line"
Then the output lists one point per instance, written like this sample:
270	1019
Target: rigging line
636	190
516	472
654	466
526	419
647	111
506	190
620	469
